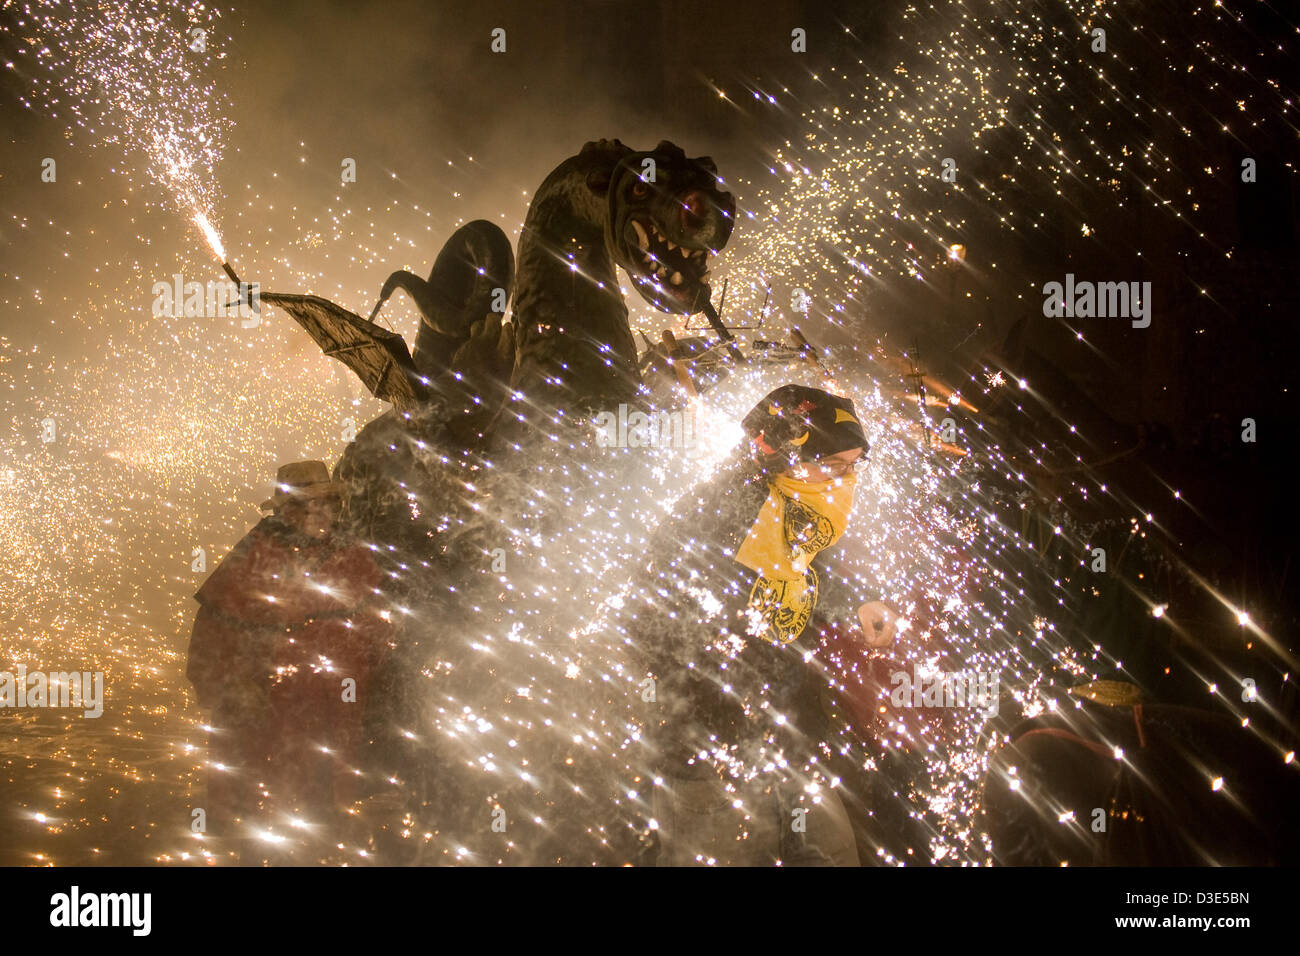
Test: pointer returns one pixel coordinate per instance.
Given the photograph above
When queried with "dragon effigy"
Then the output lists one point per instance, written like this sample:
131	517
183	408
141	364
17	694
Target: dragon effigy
567	351
477	486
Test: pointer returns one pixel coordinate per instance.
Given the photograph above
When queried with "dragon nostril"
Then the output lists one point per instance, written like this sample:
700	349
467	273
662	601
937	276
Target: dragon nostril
694	209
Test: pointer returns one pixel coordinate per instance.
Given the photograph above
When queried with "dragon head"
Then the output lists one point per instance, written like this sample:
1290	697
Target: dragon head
666	216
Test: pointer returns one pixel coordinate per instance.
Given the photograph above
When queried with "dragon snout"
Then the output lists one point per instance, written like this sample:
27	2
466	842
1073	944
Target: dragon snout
694	210
704	216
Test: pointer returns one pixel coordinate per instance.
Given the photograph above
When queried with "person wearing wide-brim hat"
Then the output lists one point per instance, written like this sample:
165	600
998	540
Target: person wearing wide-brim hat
292	593
306	500
301	480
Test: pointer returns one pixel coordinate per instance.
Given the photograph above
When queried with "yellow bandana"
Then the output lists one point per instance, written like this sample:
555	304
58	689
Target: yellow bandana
799	519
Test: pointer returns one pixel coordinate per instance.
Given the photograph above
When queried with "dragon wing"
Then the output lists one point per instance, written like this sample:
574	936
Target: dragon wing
379	357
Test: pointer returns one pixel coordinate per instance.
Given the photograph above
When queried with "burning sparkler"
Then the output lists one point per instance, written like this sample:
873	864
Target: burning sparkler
214	242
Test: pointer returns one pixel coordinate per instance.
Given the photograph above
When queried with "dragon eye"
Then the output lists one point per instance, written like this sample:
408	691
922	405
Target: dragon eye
640	190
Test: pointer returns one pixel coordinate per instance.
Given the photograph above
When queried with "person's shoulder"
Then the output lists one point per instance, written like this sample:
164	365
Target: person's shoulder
736	473
268	537
268	526
350	551
274	532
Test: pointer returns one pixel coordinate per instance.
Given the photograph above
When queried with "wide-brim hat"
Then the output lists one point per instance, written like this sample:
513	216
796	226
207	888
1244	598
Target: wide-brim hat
301	479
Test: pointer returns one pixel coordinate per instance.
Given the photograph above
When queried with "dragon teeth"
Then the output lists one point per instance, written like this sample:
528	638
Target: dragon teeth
671	245
641	237
677	278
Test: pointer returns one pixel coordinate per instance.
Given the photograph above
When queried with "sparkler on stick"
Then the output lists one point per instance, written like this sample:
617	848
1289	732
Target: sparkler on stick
723	332
809	351
219	250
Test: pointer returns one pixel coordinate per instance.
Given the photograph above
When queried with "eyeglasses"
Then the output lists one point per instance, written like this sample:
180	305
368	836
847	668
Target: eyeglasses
839	468
832	469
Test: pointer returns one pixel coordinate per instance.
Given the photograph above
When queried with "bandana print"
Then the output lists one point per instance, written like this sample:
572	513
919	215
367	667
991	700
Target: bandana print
798	520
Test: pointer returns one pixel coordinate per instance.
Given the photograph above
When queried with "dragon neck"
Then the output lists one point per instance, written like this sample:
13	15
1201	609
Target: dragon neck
574	347
414	286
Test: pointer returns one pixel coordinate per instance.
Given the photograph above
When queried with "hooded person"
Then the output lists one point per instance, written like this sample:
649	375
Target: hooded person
290	626
722	619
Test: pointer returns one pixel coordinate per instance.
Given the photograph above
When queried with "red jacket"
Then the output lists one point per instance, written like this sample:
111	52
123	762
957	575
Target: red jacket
284	620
